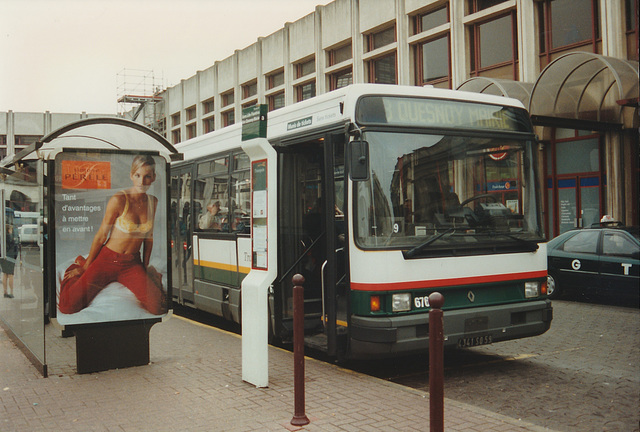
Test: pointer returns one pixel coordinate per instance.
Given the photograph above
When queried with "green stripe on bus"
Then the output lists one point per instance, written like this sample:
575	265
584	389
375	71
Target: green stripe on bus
454	298
220	276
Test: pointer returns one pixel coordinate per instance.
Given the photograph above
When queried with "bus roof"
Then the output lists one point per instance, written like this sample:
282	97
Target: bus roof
333	108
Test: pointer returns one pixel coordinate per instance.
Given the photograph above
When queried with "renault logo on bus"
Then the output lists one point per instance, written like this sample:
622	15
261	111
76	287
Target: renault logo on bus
471	296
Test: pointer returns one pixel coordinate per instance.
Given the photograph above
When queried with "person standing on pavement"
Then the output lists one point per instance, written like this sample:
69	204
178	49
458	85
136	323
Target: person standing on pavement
8	263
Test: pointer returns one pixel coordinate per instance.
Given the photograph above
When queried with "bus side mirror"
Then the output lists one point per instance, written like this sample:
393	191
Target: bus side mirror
359	160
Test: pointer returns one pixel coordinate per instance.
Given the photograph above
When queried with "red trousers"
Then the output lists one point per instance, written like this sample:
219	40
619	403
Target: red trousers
78	292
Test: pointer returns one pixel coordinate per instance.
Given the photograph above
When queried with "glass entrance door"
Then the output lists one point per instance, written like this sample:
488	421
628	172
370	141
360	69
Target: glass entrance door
574	181
578	202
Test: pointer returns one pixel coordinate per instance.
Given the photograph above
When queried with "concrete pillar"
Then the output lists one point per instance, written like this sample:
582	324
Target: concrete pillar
404	52
356	38
458	48
321	58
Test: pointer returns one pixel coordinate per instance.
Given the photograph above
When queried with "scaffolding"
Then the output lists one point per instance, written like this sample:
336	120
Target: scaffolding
140	93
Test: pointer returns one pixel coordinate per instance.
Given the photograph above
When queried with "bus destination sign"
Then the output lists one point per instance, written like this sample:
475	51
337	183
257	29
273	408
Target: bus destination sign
405	111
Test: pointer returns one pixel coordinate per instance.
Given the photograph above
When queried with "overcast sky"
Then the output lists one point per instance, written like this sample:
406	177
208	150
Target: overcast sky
69	55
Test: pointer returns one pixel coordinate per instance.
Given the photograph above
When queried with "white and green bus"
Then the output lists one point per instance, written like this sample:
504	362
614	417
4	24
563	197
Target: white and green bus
383	195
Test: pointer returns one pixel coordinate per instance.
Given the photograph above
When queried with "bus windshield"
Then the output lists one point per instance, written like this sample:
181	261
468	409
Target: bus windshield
446	194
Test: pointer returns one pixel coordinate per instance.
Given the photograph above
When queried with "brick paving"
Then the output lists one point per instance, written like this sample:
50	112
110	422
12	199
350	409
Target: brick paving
194	383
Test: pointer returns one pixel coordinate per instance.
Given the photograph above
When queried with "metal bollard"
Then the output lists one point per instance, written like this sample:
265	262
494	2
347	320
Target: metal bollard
299	416
436	363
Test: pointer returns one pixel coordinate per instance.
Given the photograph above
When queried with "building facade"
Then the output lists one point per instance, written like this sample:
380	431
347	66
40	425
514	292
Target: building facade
18	130
573	64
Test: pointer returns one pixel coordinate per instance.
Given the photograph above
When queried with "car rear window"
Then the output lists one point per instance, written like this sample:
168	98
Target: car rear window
618	244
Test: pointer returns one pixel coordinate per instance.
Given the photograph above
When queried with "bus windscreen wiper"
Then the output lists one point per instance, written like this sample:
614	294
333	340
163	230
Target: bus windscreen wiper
531	245
414	251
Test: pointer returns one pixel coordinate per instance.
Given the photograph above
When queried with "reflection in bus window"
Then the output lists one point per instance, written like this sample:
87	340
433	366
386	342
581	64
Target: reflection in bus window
423	185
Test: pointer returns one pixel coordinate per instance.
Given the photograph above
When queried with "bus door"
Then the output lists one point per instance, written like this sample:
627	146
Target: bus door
181	238
309	226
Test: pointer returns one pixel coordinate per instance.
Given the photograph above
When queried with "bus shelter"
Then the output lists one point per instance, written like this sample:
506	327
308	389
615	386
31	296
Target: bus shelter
85	245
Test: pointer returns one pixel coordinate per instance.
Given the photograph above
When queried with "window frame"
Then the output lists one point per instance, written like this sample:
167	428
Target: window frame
175	119
271	100
250	89
334	78
228	98
300	70
545	31
208	124
417	19
229	172
419	62
228	117
370	38
332	54
300	90
208	106
271	79
192	130
372	67
475	55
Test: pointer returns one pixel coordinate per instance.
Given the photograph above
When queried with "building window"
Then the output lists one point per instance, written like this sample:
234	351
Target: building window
305	68
275	79
208	106
432	56
340	79
380	39
383	70
175	136
494	47
191	113
431	20
568	23
249	90
433	62
228	118
175	119
478	5
3	140
191	131
305	91
26	140
276	101
339	55
227	98
208	125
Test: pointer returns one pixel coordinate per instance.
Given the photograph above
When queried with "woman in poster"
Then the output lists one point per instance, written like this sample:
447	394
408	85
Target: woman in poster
126	228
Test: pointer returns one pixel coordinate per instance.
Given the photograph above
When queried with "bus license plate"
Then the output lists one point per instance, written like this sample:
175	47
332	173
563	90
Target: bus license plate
474	341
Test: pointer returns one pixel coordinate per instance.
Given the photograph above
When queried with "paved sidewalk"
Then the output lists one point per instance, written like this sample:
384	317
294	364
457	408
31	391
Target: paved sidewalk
194	383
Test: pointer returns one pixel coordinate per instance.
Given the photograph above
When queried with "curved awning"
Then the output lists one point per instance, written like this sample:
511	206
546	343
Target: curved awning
500	87
589	90
98	133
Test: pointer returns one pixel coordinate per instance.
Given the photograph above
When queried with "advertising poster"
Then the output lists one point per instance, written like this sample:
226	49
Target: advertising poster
110	236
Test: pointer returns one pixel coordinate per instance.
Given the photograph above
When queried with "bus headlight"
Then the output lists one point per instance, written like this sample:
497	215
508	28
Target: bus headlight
531	289
401	302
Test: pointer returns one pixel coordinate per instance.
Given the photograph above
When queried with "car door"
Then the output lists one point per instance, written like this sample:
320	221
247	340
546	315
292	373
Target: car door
619	263
576	260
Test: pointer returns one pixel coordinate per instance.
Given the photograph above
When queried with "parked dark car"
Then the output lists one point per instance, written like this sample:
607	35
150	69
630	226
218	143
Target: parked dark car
602	259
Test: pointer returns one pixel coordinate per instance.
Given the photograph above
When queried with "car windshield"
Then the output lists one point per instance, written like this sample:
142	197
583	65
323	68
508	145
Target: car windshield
430	192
